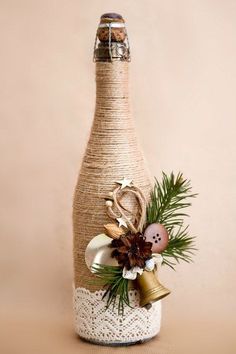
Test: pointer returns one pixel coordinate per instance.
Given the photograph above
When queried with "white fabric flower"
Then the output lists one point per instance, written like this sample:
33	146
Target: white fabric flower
138	270
132	273
158	259
149	264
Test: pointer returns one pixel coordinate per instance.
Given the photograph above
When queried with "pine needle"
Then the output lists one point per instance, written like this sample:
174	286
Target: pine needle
168	199
181	247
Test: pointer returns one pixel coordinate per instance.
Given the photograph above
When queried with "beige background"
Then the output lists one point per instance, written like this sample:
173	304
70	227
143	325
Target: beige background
183	82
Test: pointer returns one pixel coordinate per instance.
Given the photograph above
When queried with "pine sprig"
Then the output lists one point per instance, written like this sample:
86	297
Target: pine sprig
180	247
168	198
116	286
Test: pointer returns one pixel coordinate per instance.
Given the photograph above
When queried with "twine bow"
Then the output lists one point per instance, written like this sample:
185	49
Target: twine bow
115	209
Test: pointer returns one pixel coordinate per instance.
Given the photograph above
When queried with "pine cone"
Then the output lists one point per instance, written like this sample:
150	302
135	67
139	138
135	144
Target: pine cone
131	250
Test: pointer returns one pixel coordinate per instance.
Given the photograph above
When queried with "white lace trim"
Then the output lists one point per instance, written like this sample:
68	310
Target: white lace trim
94	323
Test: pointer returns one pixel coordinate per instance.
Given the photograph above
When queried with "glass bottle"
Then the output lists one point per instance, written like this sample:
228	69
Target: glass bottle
112	153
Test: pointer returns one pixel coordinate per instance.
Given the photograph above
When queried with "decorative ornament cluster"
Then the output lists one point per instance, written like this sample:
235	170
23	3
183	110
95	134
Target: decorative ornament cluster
141	238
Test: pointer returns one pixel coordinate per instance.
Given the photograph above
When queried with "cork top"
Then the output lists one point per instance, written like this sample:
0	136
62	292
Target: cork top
111	39
112	16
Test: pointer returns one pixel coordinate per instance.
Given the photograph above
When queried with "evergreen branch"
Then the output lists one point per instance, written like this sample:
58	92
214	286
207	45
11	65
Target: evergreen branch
181	246
168	198
116	286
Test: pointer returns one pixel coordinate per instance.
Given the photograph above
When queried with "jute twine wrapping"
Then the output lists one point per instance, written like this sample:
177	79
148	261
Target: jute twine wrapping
112	153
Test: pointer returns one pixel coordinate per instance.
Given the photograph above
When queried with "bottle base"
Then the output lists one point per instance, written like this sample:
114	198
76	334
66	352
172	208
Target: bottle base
116	344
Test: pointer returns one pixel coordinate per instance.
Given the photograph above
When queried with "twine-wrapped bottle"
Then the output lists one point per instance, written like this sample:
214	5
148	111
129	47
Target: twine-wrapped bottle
112	153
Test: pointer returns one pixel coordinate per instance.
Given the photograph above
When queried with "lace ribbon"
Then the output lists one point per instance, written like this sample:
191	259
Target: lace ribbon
95	323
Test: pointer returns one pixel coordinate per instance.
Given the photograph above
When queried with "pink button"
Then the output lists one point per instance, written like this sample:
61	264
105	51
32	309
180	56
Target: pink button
158	235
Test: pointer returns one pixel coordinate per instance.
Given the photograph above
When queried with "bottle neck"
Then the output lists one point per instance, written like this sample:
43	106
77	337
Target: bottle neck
112	81
112	95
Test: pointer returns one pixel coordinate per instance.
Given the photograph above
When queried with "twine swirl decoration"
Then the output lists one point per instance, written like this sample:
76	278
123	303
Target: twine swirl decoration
112	153
134	217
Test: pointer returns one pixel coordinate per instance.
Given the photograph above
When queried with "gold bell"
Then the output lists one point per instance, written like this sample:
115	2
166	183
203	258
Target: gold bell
151	289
